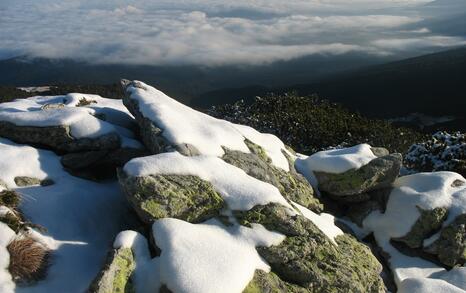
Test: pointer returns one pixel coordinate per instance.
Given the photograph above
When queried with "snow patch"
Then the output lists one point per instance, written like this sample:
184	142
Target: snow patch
207	257
81	217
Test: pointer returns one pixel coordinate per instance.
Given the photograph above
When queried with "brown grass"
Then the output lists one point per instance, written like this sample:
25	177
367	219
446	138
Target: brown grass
85	102
28	260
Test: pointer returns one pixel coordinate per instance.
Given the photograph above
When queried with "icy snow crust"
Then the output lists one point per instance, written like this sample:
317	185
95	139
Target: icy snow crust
239	190
181	124
207	257
81	218
427	191
82	120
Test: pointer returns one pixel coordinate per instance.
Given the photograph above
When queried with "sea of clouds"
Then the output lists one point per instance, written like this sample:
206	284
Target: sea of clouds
212	32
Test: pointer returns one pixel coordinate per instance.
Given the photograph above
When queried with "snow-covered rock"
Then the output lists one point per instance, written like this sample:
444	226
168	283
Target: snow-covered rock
418	207
349	174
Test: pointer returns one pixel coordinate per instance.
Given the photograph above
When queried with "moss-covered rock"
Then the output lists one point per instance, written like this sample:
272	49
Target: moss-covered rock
292	185
270	283
428	223
115	277
451	245
184	197
378	173
58	138
308	259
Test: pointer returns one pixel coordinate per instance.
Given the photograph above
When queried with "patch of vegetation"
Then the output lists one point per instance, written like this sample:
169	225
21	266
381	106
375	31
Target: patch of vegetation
442	151
309	124
28	260
85	102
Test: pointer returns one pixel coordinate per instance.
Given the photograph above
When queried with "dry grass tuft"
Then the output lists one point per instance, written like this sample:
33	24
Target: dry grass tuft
28	260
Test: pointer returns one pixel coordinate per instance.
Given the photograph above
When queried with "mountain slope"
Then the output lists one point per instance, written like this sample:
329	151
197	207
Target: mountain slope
433	84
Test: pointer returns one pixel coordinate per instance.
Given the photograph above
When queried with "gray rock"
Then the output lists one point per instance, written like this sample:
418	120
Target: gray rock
378	173
151	134
380	152
29	181
428	223
451	245
57	138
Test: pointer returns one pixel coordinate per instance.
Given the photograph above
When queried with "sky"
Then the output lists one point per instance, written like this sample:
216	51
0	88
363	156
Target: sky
219	32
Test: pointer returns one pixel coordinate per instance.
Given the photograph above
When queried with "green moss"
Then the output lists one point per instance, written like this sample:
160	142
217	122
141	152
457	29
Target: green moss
125	265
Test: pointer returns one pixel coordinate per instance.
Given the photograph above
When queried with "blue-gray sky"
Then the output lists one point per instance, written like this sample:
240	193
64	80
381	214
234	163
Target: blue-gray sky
221	32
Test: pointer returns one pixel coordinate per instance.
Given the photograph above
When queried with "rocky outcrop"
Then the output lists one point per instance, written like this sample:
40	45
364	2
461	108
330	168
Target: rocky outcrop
353	185
308	259
187	198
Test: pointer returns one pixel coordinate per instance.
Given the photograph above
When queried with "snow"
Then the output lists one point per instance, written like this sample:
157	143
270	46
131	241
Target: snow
333	161
82	120
207	257
181	124
81	217
339	160
6	282
325	222
426	191
239	190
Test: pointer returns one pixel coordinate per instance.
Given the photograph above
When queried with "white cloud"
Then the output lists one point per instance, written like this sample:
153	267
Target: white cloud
201	31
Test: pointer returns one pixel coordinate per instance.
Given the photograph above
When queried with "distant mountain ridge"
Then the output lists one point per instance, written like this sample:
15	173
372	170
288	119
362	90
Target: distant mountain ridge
433	84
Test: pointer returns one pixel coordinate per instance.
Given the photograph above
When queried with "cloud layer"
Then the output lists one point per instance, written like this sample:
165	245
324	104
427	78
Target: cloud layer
211	32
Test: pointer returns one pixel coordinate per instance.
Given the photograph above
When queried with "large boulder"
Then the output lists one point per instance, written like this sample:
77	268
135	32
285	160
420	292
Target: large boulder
71	123
378	173
351	174
309	259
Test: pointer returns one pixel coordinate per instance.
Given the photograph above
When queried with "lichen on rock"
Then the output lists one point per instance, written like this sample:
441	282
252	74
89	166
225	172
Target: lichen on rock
292	185
184	197
378	173
115	276
427	224
451	245
307	258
